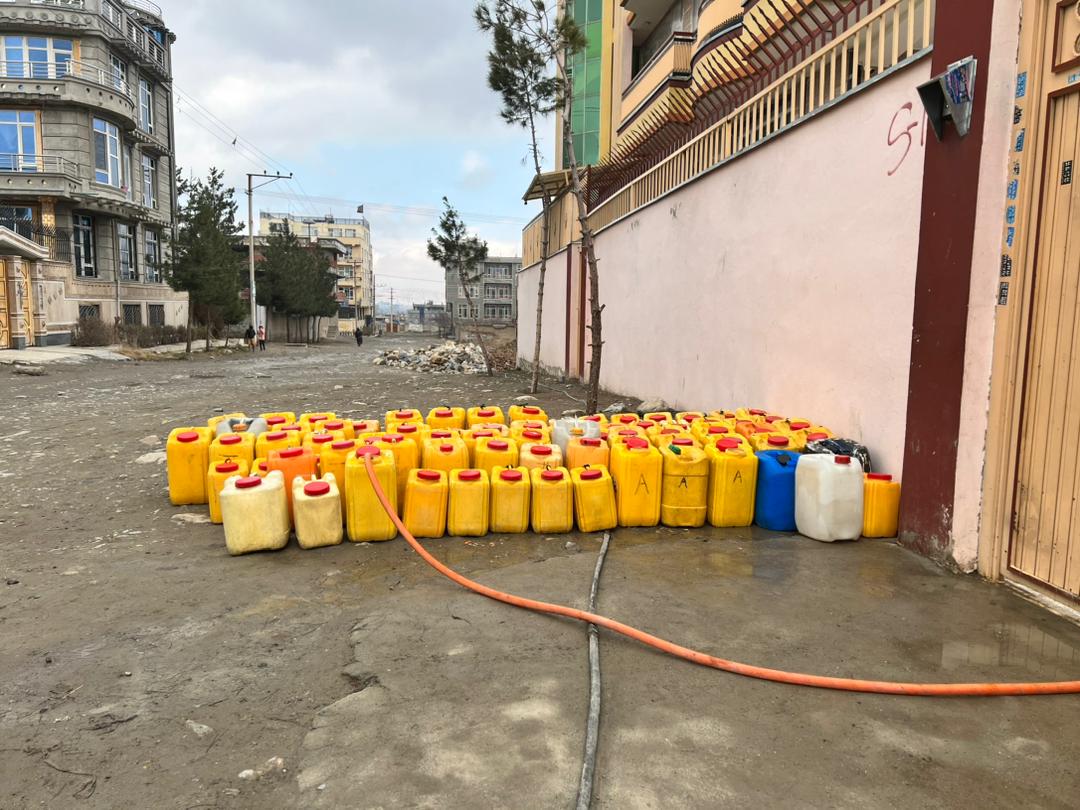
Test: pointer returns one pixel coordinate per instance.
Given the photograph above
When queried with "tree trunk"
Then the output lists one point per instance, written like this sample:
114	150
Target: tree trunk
480	340
208	320
190	324
545	245
592	395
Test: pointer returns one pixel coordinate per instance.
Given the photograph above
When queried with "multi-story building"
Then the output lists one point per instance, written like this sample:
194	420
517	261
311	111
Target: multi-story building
356	272
493	289
87	179
854	210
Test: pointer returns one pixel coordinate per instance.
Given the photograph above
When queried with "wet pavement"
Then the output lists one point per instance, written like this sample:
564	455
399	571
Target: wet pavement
143	667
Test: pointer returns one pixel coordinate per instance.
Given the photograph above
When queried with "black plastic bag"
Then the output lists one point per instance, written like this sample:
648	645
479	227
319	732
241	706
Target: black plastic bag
841	447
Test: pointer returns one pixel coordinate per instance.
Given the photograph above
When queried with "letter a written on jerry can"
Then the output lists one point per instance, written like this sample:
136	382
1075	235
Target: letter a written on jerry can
683	484
642	485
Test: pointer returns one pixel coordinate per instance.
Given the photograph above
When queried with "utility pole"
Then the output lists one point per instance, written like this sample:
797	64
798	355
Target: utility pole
251	235
391	310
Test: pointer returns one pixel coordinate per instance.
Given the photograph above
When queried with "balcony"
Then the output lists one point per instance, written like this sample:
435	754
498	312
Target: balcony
661	92
57	240
124	30
76	4
40	175
72	82
153	9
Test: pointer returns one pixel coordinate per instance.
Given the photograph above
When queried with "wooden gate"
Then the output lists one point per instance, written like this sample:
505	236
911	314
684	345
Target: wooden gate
1045	539
5	319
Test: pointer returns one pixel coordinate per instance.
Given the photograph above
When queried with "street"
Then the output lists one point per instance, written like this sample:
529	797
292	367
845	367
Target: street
144	667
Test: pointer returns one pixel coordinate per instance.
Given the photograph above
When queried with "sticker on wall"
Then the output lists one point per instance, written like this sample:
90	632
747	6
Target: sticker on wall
1020	140
1014	189
1021	85
1003	294
1016	168
1010	215
1075	77
1006	265
1066	173
1018	113
1010	236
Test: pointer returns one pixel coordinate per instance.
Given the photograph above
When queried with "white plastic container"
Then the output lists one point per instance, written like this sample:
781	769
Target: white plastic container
317	512
829	497
563	430
255	512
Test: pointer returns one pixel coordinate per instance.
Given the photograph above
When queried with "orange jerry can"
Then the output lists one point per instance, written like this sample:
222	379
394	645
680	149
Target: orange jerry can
293	462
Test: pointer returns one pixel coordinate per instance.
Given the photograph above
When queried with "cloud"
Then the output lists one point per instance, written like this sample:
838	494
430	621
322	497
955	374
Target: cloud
377	101
476	171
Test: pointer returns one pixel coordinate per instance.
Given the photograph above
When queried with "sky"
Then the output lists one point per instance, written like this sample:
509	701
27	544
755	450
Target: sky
384	104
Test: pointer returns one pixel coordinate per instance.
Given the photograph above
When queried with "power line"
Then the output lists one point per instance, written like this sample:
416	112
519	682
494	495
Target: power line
412	210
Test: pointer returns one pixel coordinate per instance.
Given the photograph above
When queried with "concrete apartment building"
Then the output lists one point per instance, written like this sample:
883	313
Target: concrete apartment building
356	269
766	187
87	185
493	288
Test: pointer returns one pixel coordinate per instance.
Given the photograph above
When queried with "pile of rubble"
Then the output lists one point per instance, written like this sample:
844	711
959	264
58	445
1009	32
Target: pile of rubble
449	358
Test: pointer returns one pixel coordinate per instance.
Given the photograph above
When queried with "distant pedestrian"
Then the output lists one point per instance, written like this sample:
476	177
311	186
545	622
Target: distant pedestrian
249	336
359	335
262	338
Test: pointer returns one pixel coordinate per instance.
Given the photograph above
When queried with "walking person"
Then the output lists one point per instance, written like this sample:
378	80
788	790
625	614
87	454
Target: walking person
359	335
262	338
249	336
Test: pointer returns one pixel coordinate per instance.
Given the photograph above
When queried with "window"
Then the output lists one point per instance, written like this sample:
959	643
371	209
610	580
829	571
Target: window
146	106
36	57
277	227
18	141
150	181
350	233
84	246
90	311
132	314
118	68
155	314
463	311
129	180
125	245
335	233
106	153
151	256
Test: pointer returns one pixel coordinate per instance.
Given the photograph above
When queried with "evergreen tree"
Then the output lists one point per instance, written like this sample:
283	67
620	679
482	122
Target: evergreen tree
457	252
203	262
519	72
551	36
296	281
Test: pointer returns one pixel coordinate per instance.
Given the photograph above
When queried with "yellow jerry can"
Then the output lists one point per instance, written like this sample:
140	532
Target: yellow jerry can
511	502
469	513
881	510
187	457
233	447
685	491
426	497
367	521
552	501
637	468
732	485
494	452
216	477
484	415
446	418
594	499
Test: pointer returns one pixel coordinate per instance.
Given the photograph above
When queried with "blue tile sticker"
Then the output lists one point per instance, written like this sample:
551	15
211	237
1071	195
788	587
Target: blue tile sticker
1014	188
1010	236
1010	214
1020	140
1021	85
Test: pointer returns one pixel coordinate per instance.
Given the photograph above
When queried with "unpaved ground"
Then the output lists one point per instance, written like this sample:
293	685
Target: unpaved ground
142	667
123	622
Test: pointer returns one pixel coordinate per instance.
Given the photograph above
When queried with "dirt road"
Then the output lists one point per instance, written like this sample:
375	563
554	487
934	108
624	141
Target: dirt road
142	667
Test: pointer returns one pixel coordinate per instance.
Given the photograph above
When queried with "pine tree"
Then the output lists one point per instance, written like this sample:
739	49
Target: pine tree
203	262
457	252
554	38
518	72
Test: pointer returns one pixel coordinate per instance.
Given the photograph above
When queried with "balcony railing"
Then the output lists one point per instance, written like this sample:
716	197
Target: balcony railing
66	70
129	29
57	240
61	3
896	34
37	164
143	5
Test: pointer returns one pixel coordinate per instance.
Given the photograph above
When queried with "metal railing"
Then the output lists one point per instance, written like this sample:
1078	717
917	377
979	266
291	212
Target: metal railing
66	70
37	164
897	32
61	3
57	240
132	31
143	5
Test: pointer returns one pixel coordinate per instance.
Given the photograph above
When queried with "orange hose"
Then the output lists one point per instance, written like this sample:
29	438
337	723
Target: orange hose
761	673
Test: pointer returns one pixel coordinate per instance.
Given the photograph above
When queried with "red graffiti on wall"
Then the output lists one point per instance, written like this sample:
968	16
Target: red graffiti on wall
903	134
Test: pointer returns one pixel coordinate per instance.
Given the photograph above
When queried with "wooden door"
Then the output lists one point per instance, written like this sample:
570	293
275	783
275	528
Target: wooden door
1045	543
5	319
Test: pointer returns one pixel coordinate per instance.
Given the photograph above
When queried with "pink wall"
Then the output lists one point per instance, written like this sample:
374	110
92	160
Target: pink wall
783	280
552	349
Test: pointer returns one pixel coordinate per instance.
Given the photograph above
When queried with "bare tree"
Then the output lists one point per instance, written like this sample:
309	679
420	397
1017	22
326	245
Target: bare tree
456	251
